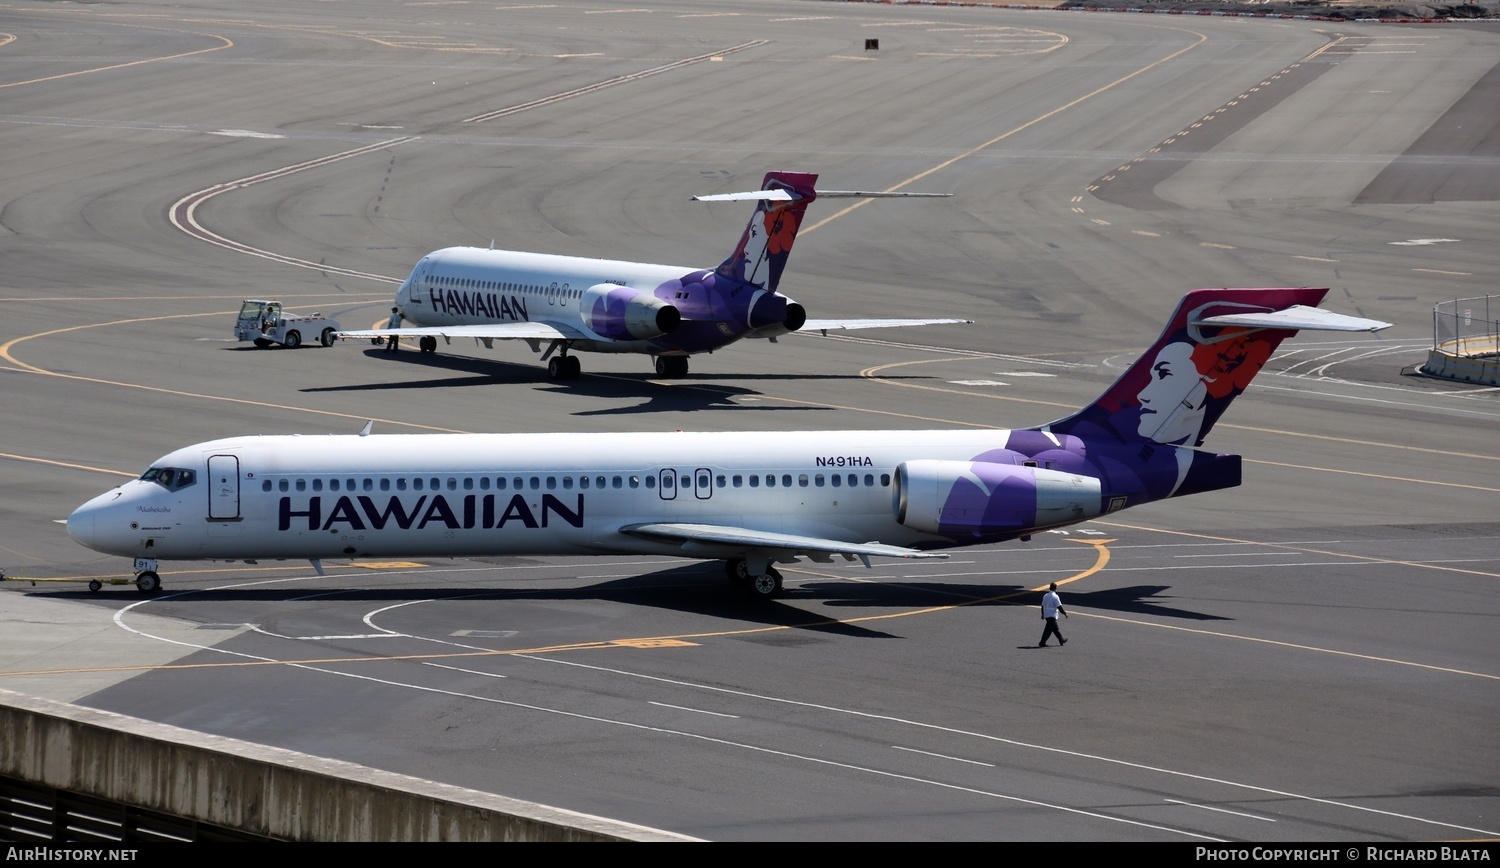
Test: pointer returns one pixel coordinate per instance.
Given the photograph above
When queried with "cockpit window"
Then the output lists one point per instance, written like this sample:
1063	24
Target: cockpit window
170	478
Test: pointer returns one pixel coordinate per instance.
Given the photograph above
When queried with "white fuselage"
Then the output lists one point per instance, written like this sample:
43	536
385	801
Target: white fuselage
492	494
466	286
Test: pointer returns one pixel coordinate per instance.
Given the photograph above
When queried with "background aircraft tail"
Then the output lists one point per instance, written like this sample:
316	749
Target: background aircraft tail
767	240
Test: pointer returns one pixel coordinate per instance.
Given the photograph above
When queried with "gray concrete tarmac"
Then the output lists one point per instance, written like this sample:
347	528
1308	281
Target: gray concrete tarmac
1309	657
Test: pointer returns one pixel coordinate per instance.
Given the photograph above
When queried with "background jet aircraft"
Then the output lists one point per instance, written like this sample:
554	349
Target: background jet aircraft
574	304
749	499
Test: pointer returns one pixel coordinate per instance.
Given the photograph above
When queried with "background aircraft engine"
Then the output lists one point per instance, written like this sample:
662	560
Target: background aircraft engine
623	313
981	497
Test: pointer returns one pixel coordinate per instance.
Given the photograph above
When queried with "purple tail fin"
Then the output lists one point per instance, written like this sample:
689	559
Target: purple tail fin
762	252
1175	392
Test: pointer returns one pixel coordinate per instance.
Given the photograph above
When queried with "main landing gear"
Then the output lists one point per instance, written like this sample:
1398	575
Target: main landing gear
764	586
671	367
564	368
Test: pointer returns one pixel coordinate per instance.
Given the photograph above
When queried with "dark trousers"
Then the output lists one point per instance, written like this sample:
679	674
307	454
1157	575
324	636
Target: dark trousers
1051	631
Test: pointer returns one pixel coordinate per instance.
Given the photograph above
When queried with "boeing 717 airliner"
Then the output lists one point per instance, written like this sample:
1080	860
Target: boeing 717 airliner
751	500
574	304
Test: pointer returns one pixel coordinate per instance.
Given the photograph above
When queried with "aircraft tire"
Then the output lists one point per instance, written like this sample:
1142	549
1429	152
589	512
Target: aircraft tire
428	344
737	572
671	367
95	585
293	340
555	368
573	367
767	585
148	582
326	338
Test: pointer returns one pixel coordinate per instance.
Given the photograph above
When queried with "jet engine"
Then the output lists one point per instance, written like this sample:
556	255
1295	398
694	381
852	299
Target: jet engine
775	315
624	313
981	497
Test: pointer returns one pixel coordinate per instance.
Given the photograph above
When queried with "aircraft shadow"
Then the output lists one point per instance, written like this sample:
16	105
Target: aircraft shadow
702	390
695	589
1133	600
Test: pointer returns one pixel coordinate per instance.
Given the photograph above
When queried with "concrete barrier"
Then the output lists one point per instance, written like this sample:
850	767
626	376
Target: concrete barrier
1467	367
265	791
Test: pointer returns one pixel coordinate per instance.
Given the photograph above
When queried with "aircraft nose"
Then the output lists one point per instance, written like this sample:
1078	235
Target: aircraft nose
83	523
81	526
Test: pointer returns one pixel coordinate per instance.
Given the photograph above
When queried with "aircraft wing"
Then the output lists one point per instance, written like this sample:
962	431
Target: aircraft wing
698	539
826	325
519	331
1298	316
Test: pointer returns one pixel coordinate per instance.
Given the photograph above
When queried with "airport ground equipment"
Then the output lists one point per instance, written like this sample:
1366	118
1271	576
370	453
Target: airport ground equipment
268	324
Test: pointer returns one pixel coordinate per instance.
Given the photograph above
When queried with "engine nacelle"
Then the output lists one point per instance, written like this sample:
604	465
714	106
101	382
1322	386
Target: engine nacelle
625	313
980	497
792	316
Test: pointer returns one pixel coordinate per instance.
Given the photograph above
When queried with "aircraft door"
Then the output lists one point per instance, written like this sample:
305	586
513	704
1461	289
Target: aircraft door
703	483
223	488
666	483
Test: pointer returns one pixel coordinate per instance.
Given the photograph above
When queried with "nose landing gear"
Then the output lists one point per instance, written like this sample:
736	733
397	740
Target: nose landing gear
146	579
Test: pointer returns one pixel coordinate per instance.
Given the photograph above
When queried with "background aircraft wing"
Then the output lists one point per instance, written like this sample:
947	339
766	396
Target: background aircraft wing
725	541
500	331
827	325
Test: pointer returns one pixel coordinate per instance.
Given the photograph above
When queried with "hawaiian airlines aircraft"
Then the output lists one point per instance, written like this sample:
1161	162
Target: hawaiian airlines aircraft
573	304
751	500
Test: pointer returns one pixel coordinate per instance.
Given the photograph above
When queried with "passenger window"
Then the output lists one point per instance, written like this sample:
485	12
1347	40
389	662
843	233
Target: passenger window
318	484
786	480
802	480
265	485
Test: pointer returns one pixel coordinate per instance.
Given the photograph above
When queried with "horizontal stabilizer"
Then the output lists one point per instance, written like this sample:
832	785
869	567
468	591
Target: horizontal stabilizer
1298	316
740	538
828	325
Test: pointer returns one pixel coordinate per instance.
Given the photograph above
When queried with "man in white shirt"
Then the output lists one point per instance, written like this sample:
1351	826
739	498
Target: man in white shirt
1051	606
